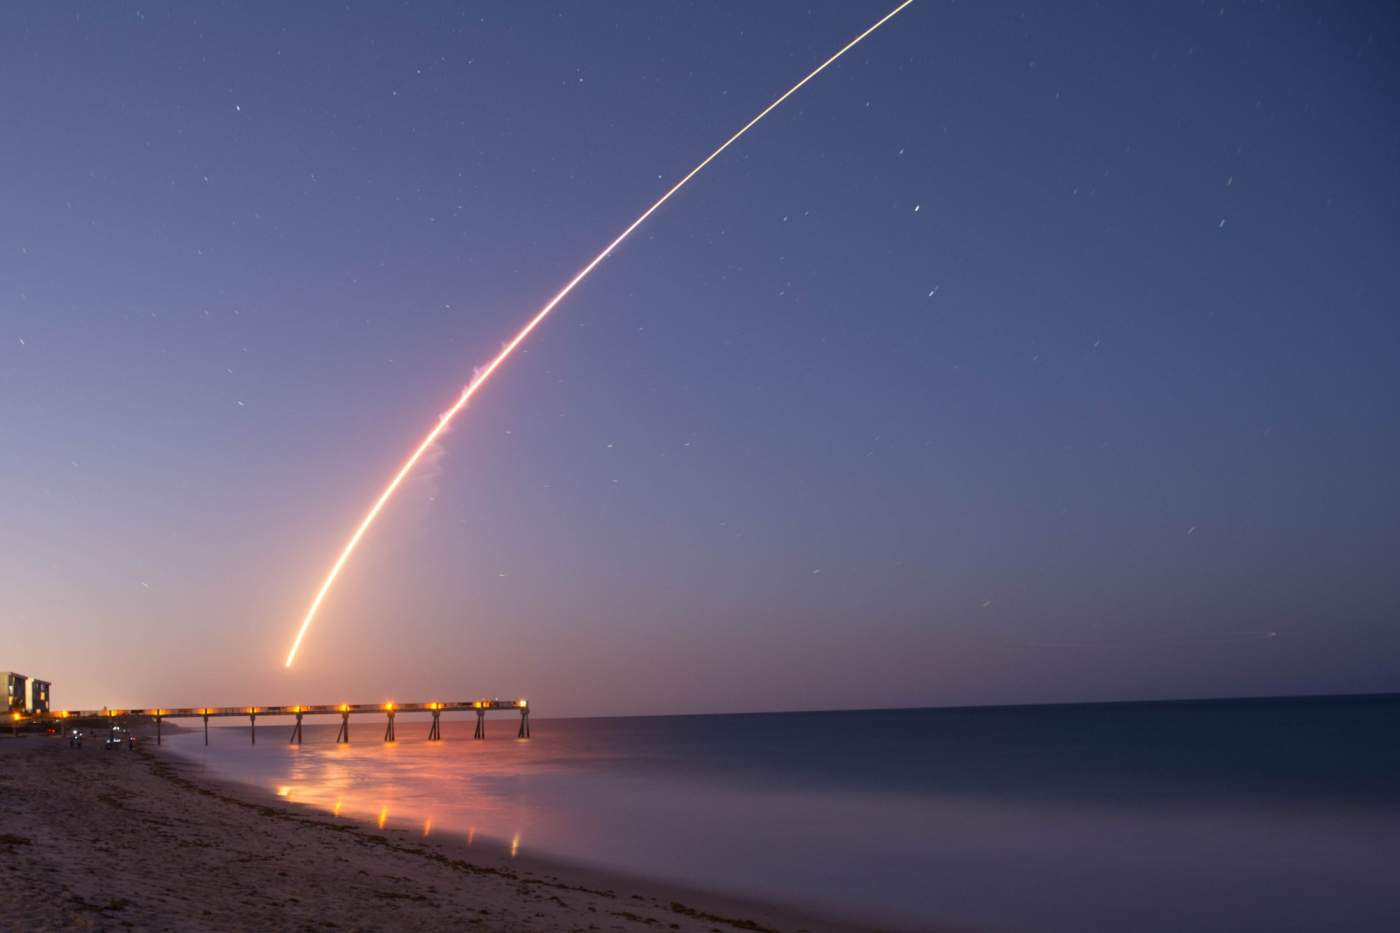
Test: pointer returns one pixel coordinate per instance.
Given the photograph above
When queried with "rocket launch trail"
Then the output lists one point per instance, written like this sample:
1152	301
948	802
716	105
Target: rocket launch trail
482	377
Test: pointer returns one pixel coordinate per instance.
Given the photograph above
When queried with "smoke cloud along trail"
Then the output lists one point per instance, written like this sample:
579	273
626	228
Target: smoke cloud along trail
481	377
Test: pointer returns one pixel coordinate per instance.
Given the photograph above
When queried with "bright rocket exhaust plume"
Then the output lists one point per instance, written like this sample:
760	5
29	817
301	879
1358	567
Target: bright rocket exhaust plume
484	375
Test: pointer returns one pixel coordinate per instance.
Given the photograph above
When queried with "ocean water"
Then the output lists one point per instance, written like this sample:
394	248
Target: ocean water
1224	815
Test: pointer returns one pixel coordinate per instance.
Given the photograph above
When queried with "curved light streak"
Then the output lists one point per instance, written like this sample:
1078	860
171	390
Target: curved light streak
481	377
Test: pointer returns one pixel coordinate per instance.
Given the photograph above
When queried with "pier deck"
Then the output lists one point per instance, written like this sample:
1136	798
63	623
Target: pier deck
343	710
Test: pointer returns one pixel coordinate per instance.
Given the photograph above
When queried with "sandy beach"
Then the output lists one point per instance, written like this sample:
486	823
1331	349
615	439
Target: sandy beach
93	839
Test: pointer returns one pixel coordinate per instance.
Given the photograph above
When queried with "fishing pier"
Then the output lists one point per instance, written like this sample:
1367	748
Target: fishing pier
343	710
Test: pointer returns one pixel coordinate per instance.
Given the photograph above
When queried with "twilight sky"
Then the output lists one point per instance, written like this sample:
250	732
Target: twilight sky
1033	352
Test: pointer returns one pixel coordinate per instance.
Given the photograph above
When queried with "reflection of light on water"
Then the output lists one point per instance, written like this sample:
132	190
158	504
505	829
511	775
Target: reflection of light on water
439	787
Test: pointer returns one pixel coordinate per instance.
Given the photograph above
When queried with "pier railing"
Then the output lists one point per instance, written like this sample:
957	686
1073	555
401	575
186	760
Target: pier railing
343	710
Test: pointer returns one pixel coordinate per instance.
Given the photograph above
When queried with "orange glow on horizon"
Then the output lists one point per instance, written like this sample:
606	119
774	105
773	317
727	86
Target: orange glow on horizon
339	802
383	815
481	377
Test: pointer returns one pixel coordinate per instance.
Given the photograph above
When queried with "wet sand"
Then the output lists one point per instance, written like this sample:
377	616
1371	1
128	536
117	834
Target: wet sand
93	839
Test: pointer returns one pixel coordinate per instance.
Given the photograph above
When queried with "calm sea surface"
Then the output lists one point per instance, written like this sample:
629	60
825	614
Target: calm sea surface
1234	815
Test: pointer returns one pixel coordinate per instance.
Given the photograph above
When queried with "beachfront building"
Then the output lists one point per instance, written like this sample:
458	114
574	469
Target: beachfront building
15	685
36	696
25	694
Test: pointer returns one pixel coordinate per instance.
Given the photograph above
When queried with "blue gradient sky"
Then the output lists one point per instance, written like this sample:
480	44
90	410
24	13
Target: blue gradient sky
1031	353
